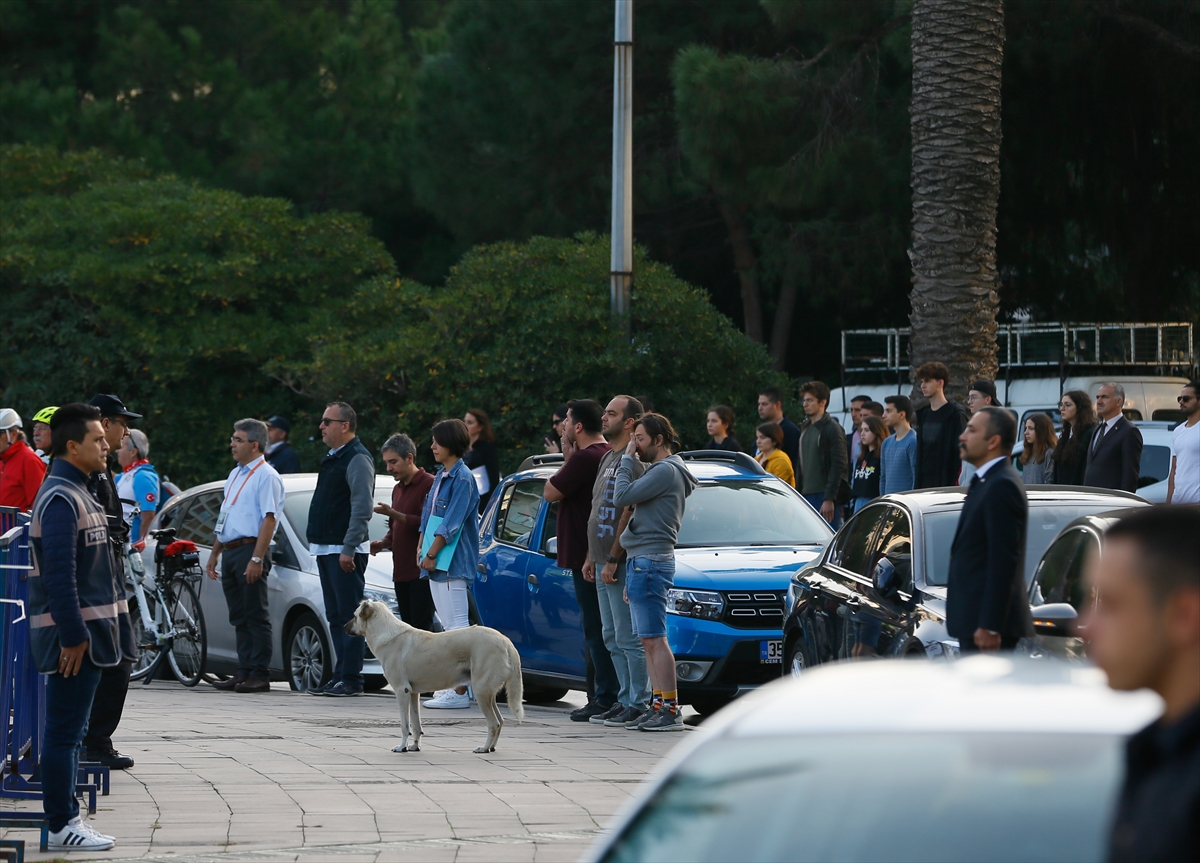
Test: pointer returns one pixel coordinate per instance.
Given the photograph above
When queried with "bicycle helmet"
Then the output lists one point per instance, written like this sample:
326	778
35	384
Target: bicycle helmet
45	414
9	419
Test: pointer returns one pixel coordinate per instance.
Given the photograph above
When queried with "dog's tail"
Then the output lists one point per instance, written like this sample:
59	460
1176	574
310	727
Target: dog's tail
515	686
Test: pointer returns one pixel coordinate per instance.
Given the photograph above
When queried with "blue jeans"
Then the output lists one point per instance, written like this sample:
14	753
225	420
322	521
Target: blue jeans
816	500
628	655
647	580
68	704
343	591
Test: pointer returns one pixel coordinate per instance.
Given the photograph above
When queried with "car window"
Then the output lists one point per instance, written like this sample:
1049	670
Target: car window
199	522
520	512
169	516
894	542
1045	523
1132	414
1156	465
1060	573
750	512
959	796
854	547
296	504
550	527
1169	415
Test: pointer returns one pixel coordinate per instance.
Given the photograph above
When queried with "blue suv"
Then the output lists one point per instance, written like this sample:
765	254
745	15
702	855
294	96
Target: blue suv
744	533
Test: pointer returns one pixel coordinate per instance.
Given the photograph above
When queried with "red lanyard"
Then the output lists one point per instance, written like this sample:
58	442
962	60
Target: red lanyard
233	502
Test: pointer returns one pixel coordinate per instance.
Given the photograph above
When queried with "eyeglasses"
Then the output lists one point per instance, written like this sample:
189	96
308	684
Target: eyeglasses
327	421
1185	399
237	440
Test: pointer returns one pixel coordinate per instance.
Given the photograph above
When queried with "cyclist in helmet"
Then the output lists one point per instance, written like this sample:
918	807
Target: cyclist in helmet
41	432
21	471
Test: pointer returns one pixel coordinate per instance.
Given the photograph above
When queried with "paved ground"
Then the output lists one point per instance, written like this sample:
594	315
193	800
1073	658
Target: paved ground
284	776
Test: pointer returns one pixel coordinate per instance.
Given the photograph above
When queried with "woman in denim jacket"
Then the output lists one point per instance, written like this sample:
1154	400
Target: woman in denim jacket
455	499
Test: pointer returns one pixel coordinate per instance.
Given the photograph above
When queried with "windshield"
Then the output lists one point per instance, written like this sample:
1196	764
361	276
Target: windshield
1046	521
295	507
960	797
748	513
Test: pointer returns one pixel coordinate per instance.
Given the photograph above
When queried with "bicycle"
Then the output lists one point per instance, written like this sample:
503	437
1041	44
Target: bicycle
168	622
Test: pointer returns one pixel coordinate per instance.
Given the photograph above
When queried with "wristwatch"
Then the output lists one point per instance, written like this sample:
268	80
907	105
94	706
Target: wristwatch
257	560
431	556
611	559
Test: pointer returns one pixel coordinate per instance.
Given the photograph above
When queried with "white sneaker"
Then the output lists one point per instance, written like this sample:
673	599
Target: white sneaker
448	699
78	836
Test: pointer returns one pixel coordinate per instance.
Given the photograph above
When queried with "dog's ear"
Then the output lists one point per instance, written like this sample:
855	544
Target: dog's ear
365	610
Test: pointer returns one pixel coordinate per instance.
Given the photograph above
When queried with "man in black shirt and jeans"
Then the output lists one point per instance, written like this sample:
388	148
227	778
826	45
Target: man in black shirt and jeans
1145	633
938	426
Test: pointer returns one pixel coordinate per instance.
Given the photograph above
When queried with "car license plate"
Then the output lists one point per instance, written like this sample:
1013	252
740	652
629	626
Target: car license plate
770	652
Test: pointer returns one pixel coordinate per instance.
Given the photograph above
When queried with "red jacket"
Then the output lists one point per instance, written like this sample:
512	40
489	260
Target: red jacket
21	476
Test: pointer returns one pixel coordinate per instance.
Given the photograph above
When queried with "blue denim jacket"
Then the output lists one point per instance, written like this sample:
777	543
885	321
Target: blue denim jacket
455	498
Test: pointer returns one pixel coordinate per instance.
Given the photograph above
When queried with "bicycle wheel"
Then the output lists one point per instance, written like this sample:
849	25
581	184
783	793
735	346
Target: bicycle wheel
144	641
189	642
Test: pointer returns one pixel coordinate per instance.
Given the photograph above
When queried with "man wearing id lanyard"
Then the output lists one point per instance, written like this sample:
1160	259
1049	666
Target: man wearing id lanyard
338	520
249	514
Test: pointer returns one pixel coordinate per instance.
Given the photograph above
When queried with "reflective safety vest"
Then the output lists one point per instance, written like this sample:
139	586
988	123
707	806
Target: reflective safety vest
98	585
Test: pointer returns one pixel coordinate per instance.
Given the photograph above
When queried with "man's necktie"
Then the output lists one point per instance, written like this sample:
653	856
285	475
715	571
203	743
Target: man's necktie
1099	436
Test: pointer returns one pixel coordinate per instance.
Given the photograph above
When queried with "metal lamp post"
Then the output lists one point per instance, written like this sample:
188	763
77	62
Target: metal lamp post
621	268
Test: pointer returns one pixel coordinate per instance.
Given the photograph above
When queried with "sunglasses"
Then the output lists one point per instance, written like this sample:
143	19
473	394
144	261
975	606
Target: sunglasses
327	421
1184	399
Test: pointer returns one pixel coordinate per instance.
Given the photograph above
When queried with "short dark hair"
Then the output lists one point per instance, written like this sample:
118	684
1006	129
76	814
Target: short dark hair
772	430
453	435
874	407
987	388
633	407
347	414
588	413
933	372
819	390
401	445
1001	422
1166	556
656	426
902	404
863	399
775	394
69	423
1194	386
485	423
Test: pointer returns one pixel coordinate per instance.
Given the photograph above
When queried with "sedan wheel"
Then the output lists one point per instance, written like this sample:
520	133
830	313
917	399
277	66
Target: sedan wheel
310	662
796	660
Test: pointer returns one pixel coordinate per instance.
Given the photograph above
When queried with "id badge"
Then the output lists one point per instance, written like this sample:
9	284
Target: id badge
221	520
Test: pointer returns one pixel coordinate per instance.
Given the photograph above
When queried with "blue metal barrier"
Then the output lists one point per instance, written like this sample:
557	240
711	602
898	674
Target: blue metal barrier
23	692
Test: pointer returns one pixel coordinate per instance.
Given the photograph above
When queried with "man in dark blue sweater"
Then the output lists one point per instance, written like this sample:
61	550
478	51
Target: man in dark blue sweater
78	619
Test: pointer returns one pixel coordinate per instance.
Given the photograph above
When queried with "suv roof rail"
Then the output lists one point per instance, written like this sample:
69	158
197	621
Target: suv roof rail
740	459
541	460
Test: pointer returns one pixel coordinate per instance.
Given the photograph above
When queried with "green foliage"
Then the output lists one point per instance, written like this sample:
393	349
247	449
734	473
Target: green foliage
519	328
172	296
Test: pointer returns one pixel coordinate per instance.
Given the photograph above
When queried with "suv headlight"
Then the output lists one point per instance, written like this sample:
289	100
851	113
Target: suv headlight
704	604
385	596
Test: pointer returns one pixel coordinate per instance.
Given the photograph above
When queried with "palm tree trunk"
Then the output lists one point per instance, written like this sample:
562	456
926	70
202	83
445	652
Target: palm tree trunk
957	48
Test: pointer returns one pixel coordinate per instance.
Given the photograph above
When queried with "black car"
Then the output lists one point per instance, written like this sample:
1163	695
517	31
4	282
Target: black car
880	587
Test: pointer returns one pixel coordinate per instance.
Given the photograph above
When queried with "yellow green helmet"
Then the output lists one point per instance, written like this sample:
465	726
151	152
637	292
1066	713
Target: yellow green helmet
45	414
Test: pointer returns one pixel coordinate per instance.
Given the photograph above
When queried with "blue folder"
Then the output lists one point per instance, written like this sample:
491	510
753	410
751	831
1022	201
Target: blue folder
447	553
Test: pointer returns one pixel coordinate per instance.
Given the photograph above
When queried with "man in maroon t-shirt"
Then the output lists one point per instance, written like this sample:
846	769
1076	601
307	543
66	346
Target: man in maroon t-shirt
584	447
404	521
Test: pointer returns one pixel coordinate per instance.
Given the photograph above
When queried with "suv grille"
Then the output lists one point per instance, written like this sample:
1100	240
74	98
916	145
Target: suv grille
759	609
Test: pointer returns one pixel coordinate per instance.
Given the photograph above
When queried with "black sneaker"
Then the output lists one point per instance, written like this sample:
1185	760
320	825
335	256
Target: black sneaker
666	720
342	690
616	710
627	715
322	690
642	718
585	713
112	759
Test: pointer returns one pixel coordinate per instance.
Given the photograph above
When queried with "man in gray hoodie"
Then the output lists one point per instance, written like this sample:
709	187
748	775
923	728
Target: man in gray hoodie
649	540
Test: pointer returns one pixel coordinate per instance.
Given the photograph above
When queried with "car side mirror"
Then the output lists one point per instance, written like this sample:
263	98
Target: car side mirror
551	547
1055	618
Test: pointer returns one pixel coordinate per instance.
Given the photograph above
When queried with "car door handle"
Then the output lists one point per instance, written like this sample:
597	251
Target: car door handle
531	582
483	571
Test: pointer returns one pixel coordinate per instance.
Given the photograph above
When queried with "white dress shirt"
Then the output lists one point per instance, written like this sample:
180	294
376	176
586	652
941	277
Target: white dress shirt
980	471
252	492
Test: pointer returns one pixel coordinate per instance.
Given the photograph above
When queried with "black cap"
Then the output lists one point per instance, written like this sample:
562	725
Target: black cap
280	423
111	406
987	388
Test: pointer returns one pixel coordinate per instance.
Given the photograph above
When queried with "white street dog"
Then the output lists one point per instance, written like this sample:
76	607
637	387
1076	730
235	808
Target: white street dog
415	661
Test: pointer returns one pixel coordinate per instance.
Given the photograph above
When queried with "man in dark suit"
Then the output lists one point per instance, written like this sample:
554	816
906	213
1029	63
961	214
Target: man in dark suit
280	454
1115	455
987	604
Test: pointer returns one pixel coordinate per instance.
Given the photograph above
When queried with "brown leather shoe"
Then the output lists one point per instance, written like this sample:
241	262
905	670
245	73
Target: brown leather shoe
253	684
230	684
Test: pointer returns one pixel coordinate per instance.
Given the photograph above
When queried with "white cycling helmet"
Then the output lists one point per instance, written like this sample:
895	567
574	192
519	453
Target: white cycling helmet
9	419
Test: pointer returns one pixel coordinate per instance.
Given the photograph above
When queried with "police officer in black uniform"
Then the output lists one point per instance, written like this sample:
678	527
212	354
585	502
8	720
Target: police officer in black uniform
109	703
280	454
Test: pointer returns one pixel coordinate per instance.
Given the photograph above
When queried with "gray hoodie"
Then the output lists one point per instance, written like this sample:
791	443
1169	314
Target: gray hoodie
658	498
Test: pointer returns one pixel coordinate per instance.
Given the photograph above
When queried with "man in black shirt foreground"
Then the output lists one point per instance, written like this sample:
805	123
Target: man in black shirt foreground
1145	633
